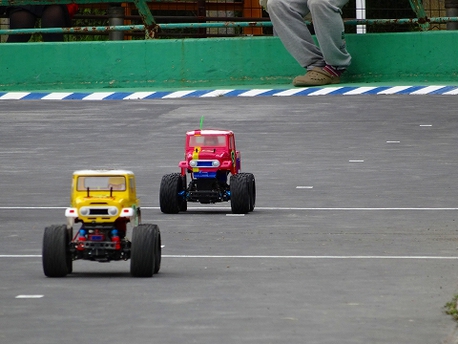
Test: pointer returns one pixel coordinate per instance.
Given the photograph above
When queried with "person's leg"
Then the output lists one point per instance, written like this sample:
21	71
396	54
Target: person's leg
325	63
21	19
287	17
329	30
53	16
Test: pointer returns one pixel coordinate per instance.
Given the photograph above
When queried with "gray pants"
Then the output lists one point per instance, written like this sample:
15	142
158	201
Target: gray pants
287	17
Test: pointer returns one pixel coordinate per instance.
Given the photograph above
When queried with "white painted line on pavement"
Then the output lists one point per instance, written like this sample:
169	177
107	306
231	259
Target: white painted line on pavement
14	95
314	257
290	92
98	96
20	255
393	90
354	209
216	93
268	208
359	90
452	92
28	208
324	91
29	296
138	95
178	94
279	257
427	90
253	93
56	96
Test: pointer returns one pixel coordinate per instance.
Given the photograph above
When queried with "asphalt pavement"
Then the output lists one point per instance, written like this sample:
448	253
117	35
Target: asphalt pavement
353	239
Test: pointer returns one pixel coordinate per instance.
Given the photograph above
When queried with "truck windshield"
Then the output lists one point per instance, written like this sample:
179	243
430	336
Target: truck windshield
102	183
207	141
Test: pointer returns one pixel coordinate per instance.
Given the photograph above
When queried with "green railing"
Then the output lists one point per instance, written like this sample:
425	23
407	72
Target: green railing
150	26
142	7
102	29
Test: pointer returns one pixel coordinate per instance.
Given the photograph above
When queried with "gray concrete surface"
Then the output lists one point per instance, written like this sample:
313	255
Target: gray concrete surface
354	238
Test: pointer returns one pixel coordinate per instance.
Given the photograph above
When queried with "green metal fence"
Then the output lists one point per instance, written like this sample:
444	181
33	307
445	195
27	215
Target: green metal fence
150	26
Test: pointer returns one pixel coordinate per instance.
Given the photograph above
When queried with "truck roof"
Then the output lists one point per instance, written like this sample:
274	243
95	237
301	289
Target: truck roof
102	172
209	132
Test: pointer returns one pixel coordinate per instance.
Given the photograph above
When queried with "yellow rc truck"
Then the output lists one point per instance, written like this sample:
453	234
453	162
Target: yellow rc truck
102	203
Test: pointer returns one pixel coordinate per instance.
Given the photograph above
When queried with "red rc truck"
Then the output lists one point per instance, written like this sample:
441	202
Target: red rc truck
210	157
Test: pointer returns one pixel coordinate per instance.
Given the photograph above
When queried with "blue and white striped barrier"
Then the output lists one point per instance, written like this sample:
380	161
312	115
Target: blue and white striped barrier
307	91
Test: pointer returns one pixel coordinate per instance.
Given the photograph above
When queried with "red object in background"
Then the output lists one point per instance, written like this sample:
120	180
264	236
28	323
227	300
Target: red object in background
72	9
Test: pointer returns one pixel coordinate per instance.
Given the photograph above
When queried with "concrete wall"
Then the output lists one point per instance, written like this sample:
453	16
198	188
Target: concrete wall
420	57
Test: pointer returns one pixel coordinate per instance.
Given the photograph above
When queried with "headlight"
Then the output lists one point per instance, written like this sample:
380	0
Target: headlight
112	211
215	163
193	163
84	211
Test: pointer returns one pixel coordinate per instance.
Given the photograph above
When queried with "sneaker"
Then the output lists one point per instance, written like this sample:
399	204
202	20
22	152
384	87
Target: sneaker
316	77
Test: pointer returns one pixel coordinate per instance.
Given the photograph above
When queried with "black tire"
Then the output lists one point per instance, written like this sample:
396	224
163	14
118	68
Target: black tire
142	258
183	202
157	251
240	194
253	195
252	188
69	259
55	251
169	198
